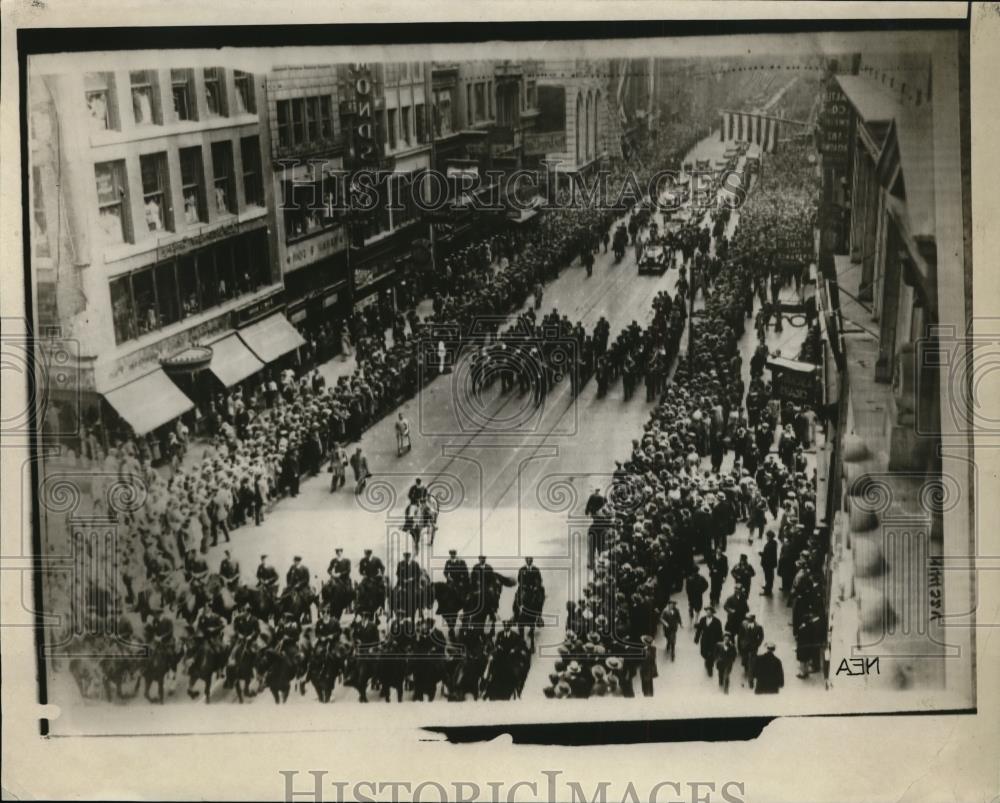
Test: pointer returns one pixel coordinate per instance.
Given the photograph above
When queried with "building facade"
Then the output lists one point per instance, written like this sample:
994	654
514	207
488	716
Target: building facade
892	156
159	171
307	147
388	117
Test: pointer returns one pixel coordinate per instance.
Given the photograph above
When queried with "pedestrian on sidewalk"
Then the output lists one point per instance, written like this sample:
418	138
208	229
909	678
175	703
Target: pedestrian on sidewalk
725	657
769	562
670	618
768	673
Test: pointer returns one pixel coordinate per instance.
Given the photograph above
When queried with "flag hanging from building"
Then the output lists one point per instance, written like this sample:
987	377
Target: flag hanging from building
759	129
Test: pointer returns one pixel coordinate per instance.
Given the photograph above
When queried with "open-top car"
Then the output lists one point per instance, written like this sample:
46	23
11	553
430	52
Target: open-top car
654	259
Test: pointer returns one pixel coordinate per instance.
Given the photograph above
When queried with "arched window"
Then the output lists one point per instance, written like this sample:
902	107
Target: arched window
597	123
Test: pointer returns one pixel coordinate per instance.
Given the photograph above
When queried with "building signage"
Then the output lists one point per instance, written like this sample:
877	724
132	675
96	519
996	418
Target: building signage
125	368
259	309
835	126
199	240
315	249
795	381
797	250
366	146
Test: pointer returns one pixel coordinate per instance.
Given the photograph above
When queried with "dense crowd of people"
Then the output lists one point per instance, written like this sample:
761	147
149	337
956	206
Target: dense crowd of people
266	436
663	510
667	515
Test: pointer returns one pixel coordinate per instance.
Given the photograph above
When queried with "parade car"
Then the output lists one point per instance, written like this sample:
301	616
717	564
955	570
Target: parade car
654	259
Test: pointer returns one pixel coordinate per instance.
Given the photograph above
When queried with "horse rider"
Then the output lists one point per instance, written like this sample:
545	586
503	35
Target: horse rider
528	576
210	626
369	566
340	567
407	570
508	640
160	633
456	571
298	575
246	626
229	570
286	639
486	582
267	576
326	627
417	494
195	567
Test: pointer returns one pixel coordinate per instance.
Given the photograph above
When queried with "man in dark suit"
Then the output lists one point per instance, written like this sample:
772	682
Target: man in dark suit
748	641
708	632
743	573
718	571
768	562
725	657
695	588
769	675
736	610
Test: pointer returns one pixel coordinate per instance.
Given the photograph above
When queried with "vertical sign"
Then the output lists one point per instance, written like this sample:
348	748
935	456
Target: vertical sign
835	127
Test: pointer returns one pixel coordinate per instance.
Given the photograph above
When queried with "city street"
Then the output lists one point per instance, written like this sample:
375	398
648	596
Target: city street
513	481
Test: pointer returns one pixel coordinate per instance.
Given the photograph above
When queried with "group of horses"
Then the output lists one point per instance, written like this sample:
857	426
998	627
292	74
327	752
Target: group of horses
465	663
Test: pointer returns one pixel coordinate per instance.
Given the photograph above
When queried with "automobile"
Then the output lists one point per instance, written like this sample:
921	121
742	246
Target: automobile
653	260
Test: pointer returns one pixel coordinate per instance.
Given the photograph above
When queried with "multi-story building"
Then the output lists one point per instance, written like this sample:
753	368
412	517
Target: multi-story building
307	152
165	264
483	113
891	234
396	108
576	123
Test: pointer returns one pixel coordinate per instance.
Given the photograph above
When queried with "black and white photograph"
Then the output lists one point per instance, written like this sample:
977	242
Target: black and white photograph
578	380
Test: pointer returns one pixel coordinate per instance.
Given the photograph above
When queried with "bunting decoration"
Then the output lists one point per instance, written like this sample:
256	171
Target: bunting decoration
759	129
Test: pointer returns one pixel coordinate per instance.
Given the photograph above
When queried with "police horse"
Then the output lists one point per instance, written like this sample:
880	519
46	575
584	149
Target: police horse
421	519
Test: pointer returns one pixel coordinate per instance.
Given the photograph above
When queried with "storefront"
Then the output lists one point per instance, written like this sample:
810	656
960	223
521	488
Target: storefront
317	281
190	277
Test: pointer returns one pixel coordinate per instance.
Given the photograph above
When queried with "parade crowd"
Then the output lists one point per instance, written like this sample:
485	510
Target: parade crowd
267	436
667	515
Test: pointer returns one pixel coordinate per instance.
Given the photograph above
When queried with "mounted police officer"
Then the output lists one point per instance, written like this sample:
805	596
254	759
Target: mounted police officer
229	570
298	574
267	577
456	571
340	567
369	566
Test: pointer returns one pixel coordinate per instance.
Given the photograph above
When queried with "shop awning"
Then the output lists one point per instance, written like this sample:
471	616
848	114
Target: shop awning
271	338
868	99
232	361
149	402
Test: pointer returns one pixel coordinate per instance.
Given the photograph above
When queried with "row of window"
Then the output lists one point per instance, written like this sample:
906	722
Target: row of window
147	95
303	121
479	101
404	125
114	201
162	294
394	190
480	97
